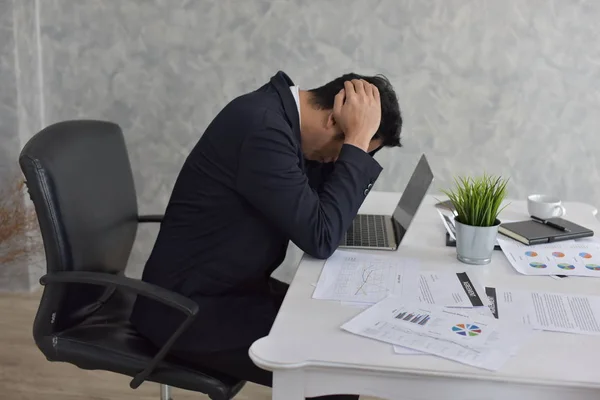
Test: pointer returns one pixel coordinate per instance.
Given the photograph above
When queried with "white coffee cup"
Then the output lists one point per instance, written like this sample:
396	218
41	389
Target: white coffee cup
545	206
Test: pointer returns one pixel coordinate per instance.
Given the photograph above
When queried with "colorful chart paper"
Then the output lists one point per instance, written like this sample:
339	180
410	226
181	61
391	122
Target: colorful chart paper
566	266
537	265
571	257
466	330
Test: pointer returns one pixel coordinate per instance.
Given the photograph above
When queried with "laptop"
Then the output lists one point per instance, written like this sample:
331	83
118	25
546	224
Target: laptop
384	232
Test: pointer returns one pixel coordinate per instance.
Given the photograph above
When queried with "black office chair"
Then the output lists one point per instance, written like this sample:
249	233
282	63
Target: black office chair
80	180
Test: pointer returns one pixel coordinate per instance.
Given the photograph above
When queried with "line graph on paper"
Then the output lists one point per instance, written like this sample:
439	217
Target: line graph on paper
366	278
366	281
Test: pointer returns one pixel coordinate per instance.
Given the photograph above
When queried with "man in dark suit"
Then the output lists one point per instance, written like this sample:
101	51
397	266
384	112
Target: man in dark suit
275	165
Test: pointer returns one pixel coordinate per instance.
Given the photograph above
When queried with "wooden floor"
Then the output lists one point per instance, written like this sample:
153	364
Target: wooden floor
25	374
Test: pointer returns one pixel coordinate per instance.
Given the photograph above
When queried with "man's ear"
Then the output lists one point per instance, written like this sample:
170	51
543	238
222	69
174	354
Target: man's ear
330	121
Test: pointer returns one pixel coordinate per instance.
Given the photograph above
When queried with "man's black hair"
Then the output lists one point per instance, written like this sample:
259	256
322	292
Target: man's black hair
391	118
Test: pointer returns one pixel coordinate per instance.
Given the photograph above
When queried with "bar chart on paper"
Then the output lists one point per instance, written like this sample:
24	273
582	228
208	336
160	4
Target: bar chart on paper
414	317
462	335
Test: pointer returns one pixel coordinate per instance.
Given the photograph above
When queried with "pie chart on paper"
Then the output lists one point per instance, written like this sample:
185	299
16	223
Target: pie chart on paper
566	266
537	265
466	330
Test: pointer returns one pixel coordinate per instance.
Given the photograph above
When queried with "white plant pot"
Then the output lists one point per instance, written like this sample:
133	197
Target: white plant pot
475	244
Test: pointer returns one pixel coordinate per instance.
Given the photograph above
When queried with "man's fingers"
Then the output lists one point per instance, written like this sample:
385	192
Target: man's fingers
359	87
376	94
349	89
368	89
338	102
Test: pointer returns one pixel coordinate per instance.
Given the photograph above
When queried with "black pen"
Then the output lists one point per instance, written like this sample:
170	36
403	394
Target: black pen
549	223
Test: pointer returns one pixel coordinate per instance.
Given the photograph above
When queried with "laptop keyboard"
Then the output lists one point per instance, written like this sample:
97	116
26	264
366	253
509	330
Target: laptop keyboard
367	231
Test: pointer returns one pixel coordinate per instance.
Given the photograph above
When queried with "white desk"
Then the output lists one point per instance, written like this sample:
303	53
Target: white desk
311	356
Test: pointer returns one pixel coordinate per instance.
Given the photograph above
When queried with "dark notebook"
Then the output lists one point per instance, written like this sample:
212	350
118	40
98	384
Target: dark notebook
534	232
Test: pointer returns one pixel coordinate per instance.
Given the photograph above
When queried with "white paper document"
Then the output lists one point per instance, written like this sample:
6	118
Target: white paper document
437	322
547	311
469	338
572	257
366	278
405	351
482	311
450	289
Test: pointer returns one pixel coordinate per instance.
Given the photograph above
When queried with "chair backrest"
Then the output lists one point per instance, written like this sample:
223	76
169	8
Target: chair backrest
80	181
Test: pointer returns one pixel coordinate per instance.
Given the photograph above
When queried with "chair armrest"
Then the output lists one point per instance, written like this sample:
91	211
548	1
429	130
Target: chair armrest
154	292
150	218
157	293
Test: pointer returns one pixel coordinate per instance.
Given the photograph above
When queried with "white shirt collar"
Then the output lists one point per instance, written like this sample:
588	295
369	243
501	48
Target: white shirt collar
296	93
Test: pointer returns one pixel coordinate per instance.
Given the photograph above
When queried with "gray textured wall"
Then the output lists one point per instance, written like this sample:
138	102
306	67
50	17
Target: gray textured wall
20	115
499	86
9	120
9	125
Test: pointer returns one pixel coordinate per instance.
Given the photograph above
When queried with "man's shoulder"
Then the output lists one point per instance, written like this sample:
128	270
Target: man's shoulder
265	97
253	113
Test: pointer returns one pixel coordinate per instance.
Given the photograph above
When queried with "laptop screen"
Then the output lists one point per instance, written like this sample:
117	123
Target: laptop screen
413	196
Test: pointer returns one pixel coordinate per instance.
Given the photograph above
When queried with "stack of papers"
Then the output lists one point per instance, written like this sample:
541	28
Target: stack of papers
447	217
448	314
365	279
471	338
573	257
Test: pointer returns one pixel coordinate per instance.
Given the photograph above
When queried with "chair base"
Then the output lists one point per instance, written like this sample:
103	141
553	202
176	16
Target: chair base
165	392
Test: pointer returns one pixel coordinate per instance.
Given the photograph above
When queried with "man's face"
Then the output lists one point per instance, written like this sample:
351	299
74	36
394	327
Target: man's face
329	144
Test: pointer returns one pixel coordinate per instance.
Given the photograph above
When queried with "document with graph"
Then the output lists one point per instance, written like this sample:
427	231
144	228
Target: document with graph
451	324
366	278
466	336
573	257
492	356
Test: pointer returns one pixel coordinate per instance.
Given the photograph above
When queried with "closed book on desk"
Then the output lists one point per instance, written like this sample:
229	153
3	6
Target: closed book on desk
534	232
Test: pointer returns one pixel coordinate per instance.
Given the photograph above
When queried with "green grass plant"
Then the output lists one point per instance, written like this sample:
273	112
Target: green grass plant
478	200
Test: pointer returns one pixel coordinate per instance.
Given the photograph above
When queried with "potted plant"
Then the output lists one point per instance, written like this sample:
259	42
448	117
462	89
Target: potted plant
477	203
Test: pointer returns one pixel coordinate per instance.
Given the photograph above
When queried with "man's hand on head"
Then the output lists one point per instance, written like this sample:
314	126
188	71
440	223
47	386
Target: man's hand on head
357	109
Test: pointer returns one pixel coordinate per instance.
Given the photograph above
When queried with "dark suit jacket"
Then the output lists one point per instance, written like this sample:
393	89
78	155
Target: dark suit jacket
243	193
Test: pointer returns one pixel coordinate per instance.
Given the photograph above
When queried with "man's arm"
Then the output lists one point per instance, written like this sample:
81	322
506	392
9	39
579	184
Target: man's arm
318	172
270	178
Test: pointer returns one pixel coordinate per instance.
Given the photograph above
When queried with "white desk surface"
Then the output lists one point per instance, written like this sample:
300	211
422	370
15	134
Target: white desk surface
306	333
